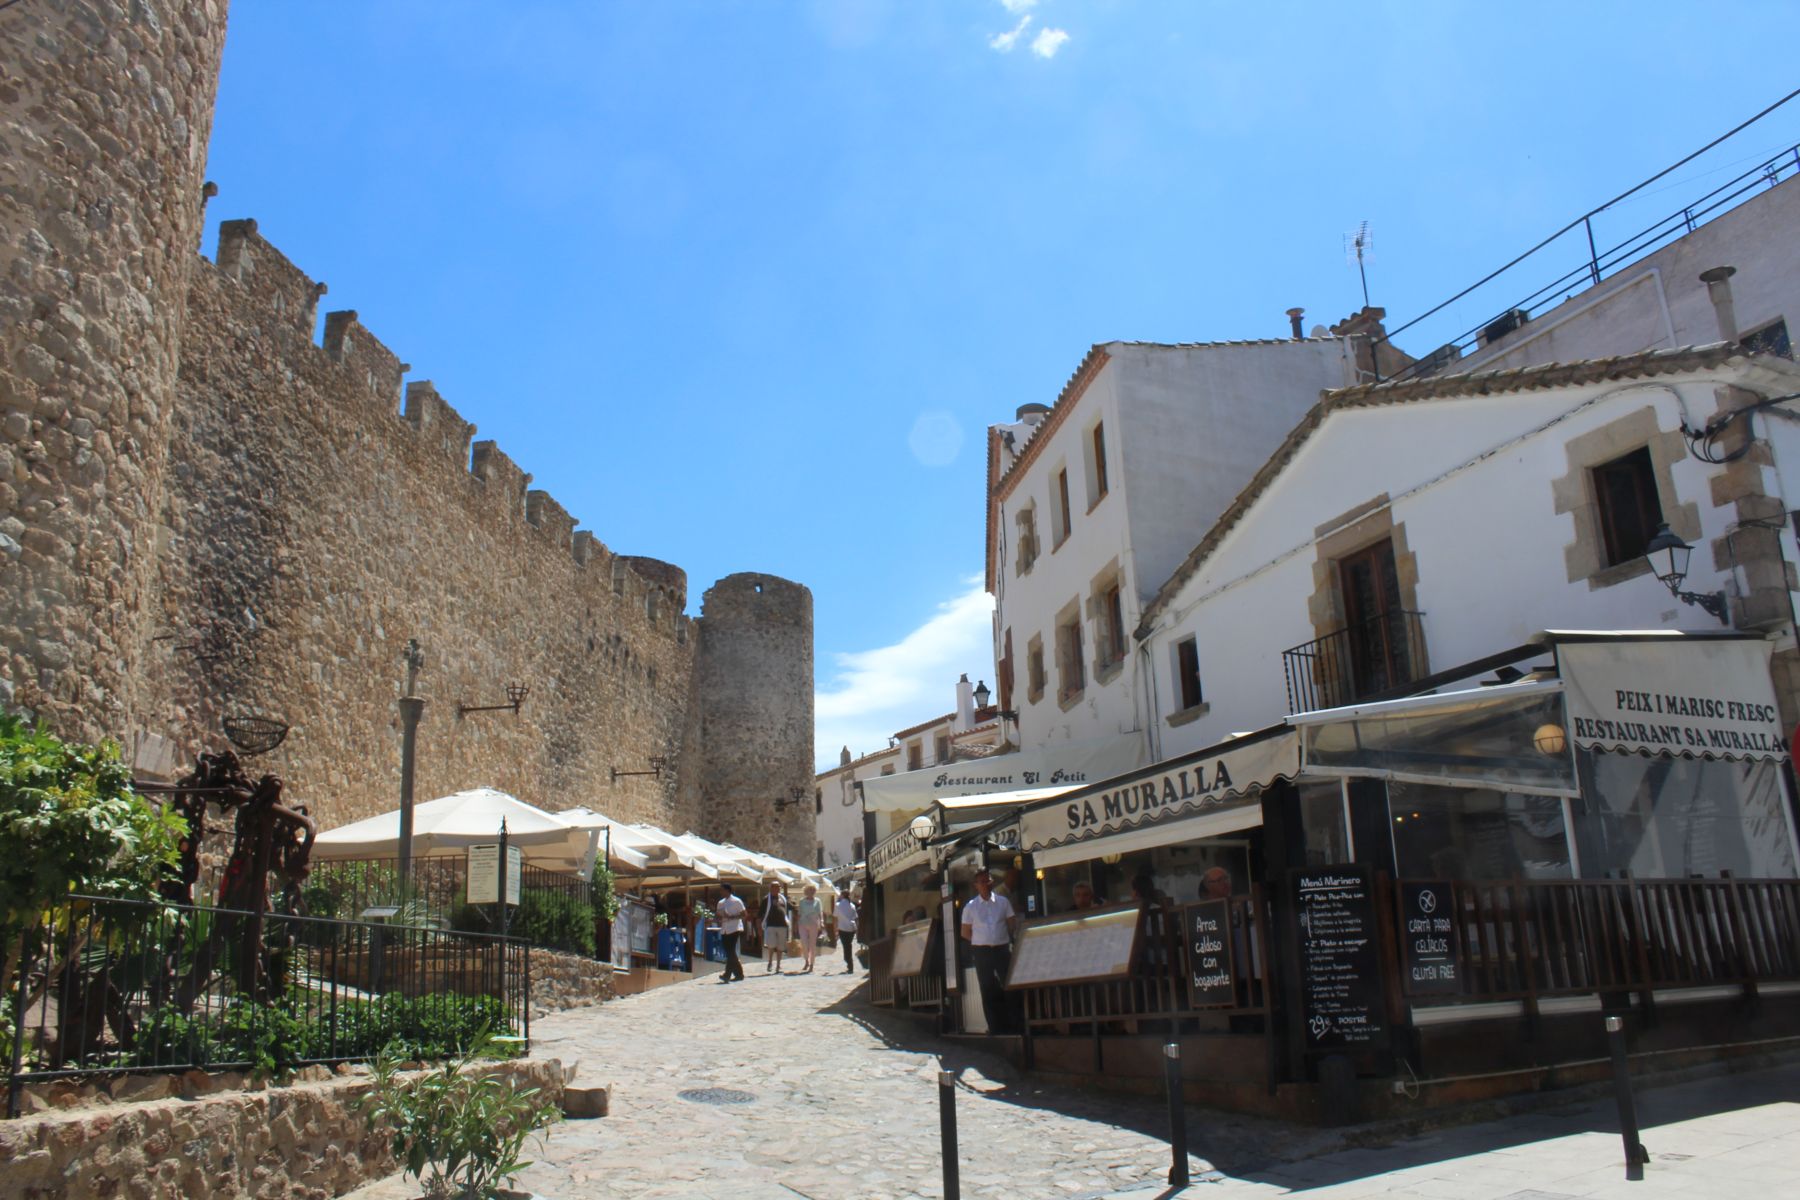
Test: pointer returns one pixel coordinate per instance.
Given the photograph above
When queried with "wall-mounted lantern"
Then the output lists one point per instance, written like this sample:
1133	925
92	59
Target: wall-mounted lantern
1668	557
657	763
515	696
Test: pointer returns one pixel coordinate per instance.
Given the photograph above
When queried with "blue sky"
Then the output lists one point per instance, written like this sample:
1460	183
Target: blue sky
741	282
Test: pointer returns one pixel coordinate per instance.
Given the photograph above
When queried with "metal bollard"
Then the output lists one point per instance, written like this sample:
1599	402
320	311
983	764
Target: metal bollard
1635	1154
1178	1148
947	1133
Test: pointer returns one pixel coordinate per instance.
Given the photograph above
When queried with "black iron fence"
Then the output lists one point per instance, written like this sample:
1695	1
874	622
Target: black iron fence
557	910
1358	662
111	986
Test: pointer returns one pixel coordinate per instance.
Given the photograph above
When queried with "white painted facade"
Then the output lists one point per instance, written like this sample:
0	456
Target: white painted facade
1659	302
957	736
1470	483
1184	428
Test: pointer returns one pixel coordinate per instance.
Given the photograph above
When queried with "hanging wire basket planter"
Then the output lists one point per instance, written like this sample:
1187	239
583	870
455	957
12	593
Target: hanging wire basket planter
255	735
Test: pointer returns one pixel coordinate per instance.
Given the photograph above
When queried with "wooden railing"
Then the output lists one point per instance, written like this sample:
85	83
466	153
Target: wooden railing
1522	939
1158	989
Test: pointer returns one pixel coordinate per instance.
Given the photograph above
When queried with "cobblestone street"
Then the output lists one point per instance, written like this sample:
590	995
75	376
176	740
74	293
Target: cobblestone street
842	1112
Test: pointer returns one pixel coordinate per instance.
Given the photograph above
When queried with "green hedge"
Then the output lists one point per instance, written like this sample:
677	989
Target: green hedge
276	1037
555	920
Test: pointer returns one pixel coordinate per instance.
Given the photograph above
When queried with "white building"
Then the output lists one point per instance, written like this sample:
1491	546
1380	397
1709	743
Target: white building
1093	502
968	732
1408	527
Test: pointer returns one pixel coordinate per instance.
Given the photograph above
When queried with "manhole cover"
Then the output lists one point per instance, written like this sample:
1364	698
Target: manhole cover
717	1096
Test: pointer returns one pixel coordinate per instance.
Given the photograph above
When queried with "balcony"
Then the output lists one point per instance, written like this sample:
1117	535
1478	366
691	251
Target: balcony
1369	660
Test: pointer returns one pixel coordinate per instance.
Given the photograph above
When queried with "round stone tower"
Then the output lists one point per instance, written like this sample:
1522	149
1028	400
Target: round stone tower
105	110
754	689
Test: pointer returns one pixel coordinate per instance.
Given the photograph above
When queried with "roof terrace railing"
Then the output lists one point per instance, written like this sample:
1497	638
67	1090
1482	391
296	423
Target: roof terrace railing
1593	264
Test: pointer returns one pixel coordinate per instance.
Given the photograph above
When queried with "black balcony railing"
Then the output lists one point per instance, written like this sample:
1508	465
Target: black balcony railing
1359	662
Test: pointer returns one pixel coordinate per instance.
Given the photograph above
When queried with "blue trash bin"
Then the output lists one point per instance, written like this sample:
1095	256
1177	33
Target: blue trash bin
671	950
715	946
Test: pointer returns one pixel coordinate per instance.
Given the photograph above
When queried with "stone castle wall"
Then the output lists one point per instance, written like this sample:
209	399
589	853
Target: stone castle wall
317	525
206	513
105	109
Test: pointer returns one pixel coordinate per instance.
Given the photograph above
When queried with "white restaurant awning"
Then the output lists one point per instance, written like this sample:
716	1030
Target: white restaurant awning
448	826
1661	693
1060	764
1202	794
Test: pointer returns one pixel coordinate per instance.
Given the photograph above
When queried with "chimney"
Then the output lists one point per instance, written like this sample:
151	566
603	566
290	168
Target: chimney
844	757
965	706
1294	315
1032	414
1718	289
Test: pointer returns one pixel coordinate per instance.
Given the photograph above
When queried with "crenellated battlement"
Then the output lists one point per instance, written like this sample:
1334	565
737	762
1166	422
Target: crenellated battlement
285	298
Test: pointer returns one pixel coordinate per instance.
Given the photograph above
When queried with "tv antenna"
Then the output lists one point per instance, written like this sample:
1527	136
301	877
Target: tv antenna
1359	248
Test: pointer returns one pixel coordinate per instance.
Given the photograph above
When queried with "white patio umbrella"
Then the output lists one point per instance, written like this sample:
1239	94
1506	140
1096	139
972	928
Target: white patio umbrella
449	825
729	866
626	843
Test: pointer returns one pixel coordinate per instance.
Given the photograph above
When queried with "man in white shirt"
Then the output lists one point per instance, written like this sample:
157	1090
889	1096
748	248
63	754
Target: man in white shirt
731	931
845	912
988	925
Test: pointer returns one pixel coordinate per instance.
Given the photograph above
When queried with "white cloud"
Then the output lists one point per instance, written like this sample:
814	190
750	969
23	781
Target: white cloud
872	693
1004	42
1018	6
1048	42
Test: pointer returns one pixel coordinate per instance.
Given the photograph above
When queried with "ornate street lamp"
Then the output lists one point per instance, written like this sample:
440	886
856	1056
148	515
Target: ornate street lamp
1668	557
981	694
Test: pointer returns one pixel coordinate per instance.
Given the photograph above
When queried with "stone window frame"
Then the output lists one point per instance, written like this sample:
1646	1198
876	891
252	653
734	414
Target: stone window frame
940	747
1585	557
1093	453
1350	533
1109	639
1062	513
1071	669
1184	713
1035	677
915	755
1028	546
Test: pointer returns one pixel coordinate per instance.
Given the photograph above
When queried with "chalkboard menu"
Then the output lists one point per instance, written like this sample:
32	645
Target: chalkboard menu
912	946
1340	969
1428	940
1206	927
1076	949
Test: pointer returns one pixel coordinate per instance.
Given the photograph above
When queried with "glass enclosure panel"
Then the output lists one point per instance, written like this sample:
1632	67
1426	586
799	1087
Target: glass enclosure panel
1476	833
1504	740
1322	822
1672	818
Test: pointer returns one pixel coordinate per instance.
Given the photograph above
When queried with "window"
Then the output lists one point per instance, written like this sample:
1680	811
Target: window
1770	339
887	770
1187	672
1111	624
856	850
1627	504
1059	509
1096	466
1034	669
819	856
818	801
1071	676
915	756
940	748
1028	539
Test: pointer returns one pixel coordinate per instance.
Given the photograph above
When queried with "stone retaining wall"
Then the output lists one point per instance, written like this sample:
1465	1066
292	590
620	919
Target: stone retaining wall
304	1141
560	981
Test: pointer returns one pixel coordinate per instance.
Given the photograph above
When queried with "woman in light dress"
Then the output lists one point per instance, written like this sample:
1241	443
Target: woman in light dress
809	918
774	928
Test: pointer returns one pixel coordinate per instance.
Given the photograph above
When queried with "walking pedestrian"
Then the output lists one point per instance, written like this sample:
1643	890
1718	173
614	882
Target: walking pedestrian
988	924
809	916
731	931
845	912
774	928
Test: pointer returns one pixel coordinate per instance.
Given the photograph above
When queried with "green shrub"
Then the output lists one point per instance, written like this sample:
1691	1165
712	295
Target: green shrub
555	920
459	1132
71	823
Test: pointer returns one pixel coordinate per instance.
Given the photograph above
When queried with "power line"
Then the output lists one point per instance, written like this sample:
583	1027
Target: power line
1492	275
